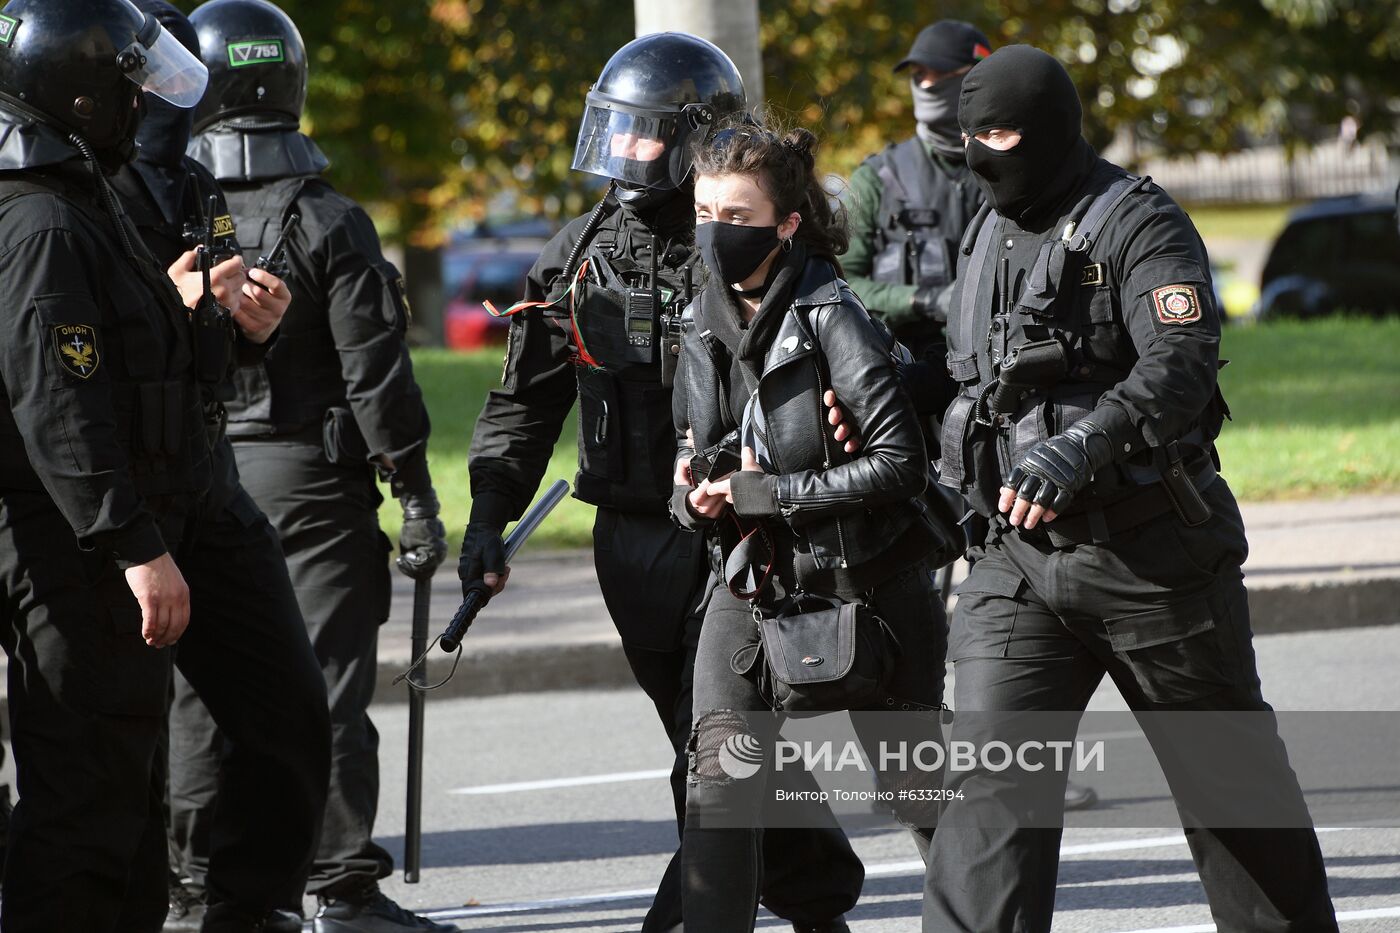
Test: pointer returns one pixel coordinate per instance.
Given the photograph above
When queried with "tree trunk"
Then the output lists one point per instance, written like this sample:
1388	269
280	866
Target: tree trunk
730	24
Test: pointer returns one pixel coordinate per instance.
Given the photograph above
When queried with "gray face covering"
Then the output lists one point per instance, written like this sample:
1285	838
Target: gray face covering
936	110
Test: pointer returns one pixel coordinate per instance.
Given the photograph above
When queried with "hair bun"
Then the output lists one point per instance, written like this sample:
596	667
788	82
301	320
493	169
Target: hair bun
804	143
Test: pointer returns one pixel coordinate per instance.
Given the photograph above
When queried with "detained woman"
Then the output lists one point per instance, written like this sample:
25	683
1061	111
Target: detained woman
776	331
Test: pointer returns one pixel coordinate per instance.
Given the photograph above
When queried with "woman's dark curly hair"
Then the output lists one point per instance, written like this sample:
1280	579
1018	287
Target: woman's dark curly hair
784	165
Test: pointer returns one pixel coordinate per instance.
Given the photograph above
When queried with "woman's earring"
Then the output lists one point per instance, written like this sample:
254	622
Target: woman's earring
787	245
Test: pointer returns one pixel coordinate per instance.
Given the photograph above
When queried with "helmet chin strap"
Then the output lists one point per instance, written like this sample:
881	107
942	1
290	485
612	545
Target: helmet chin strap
639	198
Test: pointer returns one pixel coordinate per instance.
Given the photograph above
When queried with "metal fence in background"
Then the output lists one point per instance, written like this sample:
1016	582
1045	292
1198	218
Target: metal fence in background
1268	174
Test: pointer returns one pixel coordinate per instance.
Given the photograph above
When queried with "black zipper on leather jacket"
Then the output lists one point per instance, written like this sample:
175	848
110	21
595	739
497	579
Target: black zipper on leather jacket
826	446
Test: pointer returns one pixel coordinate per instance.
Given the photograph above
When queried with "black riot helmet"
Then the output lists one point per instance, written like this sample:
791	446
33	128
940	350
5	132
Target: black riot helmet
256	59
656	96
81	65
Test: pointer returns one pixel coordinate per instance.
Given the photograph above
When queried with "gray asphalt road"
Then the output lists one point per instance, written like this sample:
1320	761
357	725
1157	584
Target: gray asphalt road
566	822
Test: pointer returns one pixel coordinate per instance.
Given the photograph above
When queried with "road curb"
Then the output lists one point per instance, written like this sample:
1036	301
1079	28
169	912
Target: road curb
1274	610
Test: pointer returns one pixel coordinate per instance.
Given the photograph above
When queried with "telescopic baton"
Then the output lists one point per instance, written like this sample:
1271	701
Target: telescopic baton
417	701
477	594
476	598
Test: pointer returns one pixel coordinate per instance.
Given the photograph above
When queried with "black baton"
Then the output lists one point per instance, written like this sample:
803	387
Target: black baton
417	703
477	594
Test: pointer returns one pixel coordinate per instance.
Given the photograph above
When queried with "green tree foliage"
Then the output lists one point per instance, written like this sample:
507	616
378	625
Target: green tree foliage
379	100
1182	75
441	110
520	70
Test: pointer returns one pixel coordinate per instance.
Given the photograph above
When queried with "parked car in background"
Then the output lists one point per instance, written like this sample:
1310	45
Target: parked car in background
493	271
1334	255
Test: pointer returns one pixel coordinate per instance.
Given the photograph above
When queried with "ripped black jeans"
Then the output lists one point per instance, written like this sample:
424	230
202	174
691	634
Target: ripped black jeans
723	867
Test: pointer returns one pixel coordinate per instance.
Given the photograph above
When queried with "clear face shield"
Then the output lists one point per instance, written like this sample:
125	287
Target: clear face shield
642	148
159	64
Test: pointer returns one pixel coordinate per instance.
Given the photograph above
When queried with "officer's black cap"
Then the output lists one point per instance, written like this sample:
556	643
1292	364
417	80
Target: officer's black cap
947	45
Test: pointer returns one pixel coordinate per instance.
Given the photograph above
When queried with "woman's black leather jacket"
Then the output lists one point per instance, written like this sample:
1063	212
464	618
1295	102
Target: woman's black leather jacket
850	515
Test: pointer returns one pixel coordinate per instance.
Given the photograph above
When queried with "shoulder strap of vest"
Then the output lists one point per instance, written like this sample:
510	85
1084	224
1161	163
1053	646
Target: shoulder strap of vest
1080	237
978	243
970	234
910	163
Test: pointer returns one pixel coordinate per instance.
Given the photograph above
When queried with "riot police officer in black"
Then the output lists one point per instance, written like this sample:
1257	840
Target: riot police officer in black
600	326
246	655
102	458
332	401
1084	336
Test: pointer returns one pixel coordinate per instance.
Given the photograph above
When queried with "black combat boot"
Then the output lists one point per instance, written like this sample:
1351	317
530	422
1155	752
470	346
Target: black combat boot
367	910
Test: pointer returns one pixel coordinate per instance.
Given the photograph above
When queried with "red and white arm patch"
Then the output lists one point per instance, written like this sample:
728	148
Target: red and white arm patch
1176	304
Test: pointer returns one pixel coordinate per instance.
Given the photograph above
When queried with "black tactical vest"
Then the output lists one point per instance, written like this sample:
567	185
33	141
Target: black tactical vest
300	378
923	213
1063	323
630	290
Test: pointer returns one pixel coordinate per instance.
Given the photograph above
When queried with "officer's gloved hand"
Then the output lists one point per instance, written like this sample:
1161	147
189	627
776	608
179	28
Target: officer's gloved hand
483	557
423	538
931	303
1054	470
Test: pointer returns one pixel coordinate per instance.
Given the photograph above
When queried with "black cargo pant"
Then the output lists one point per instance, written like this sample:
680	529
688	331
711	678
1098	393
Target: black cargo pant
249	731
656	583
325	517
1161	609
87	702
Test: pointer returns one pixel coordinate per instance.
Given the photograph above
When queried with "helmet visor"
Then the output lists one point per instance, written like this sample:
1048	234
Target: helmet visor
166	69
637	147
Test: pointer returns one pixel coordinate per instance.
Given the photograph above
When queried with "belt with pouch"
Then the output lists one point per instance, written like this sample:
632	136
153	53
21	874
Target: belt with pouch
1097	524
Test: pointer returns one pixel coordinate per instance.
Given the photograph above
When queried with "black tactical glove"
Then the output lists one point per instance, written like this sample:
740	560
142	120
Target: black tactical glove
931	303
1054	470
423	536
483	552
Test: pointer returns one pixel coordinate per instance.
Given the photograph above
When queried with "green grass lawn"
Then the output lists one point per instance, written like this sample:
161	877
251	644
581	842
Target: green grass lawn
1239	221
1316	408
1316	413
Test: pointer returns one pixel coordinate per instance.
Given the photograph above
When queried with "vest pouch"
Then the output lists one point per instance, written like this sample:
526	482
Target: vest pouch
1032	424
341	438
601	430
254	396
889	264
601	313
956	443
931	263
651	446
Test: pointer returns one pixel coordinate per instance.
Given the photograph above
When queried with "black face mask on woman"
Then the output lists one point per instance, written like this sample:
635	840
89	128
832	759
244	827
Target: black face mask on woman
1021	88
732	252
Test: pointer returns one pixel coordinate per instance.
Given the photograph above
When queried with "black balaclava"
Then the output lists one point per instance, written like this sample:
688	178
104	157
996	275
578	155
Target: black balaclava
165	130
936	112
1025	89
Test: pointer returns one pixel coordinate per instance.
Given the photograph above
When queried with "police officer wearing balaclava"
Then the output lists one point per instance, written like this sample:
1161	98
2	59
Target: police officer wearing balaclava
599	326
910	203
269	704
102	458
1084	335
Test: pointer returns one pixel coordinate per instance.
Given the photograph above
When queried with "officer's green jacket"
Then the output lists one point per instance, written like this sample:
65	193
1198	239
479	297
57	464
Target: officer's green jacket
892	301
